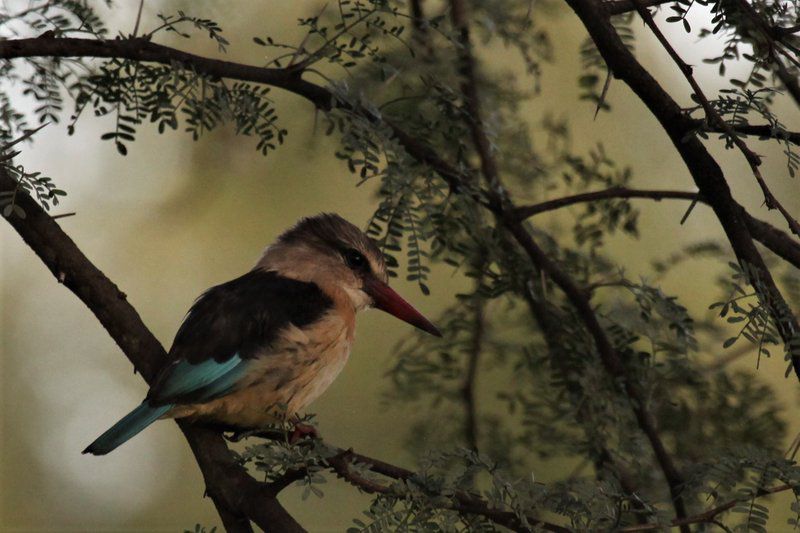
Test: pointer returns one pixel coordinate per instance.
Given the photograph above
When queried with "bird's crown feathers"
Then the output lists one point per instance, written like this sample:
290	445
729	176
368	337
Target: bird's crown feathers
333	233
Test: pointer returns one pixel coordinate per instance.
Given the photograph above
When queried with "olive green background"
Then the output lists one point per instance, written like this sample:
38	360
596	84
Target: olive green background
175	217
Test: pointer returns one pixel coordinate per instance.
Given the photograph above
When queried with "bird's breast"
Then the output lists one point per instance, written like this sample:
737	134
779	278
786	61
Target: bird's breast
285	377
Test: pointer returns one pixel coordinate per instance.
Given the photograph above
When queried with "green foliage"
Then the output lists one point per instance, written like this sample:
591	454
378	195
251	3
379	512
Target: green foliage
750	311
31	183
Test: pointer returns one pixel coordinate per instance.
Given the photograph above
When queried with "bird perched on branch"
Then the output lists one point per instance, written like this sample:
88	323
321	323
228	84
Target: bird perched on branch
259	348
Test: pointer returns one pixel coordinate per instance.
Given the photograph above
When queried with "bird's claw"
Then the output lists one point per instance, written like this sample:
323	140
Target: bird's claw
302	431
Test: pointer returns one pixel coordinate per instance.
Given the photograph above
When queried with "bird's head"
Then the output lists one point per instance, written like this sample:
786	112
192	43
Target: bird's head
339	258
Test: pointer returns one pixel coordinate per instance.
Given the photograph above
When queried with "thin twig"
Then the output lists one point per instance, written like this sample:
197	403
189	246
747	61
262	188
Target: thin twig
527	211
774	239
138	19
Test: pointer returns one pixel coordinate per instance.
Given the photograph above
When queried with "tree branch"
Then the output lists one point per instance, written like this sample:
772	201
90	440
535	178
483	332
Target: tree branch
714	118
527	211
774	239
760	130
705	171
707	516
141	49
461	501
237	496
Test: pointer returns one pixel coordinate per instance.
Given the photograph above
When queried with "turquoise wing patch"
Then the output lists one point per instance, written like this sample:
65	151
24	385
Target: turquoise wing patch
200	382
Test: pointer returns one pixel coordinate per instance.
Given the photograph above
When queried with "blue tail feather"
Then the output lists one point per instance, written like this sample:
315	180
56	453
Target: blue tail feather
128	427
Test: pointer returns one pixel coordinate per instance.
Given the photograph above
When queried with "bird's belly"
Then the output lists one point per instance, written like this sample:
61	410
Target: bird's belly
278	385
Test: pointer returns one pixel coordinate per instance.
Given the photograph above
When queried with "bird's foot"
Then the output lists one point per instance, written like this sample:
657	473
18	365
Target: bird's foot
302	431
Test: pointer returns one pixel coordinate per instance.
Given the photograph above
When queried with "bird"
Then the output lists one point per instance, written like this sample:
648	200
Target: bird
258	349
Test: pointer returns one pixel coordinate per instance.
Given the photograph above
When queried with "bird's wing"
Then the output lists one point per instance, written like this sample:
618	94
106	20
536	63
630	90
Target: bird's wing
227	327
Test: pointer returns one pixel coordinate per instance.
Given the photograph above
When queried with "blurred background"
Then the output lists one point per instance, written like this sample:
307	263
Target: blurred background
175	217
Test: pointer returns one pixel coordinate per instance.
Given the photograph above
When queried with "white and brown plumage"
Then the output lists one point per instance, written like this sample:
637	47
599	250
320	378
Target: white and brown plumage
265	345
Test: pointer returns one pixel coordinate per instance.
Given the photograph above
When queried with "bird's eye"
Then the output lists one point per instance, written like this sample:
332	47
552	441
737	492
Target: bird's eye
355	259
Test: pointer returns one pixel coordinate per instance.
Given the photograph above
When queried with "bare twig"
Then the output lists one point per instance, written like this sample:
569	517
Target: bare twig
138	19
140	49
614	192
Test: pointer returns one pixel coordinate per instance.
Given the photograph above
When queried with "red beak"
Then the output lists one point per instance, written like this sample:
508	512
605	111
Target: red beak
386	299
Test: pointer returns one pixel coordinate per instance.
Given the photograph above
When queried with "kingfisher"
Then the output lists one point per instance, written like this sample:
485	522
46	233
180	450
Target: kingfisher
258	349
